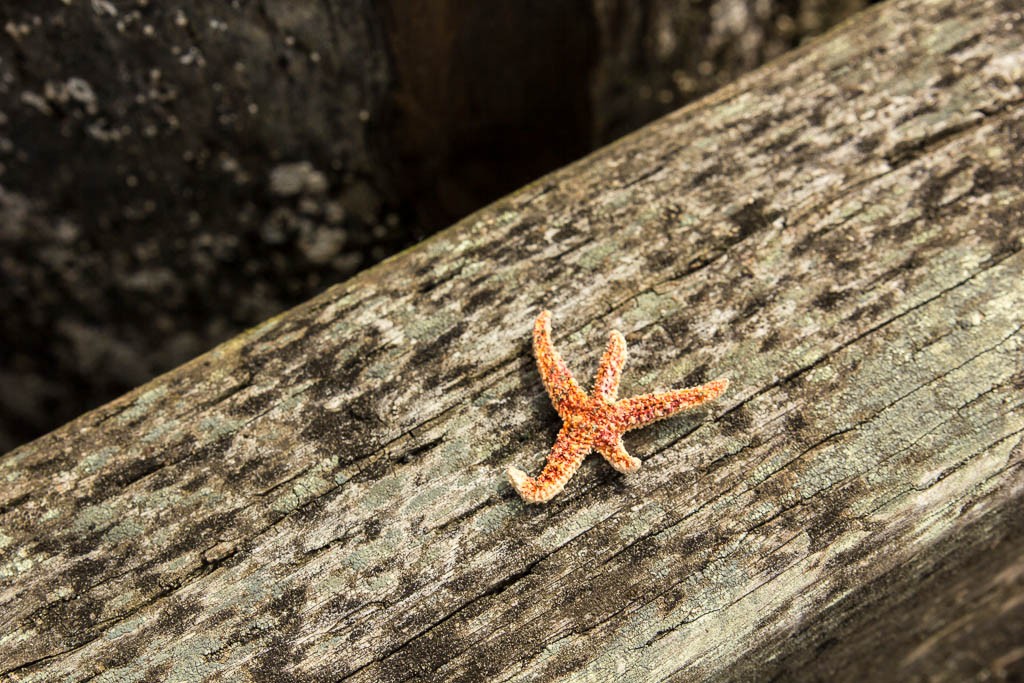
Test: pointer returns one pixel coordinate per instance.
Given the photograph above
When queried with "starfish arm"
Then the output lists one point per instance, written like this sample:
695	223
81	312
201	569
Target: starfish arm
613	450
609	372
564	459
566	395
639	411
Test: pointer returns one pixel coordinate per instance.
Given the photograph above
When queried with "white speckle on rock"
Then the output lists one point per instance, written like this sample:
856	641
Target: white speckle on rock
66	232
288	180
316	183
334	212
101	130
104	7
309	206
228	163
322	245
16	31
80	90
193	56
37	102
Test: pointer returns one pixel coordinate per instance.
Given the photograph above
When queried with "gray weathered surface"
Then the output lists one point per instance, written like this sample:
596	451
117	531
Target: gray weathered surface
322	496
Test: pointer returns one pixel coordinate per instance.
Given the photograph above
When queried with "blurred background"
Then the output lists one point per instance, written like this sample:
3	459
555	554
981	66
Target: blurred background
173	173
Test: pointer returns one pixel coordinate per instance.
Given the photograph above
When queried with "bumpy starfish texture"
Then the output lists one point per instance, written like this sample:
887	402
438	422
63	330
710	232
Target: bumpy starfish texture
596	421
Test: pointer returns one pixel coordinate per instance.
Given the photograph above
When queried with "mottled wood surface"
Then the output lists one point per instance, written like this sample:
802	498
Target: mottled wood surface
322	497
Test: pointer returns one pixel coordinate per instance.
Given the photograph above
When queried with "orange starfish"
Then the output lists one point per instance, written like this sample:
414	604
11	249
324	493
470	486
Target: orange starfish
598	421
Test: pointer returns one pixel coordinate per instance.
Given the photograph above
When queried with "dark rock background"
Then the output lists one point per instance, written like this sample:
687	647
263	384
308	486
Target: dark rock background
172	175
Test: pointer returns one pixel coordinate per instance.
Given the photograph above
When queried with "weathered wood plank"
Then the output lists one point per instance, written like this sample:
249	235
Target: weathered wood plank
322	496
174	173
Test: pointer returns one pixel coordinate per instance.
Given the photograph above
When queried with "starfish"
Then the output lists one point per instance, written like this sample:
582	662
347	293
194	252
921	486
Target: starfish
598	421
